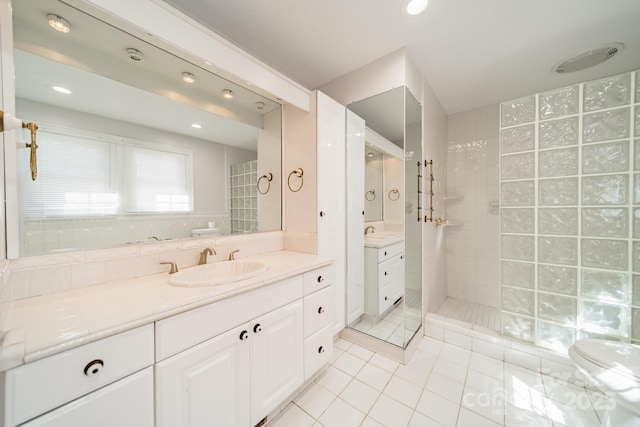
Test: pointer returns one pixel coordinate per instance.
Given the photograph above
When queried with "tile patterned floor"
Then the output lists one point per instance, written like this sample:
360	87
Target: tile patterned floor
442	385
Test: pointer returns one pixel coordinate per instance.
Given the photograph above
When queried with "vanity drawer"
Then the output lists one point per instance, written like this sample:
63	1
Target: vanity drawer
385	298
317	310
390	251
318	351
317	279
45	384
182	331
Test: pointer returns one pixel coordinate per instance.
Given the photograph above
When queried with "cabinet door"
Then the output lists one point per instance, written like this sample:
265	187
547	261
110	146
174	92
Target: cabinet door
355	216
105	407
207	385
277	368
332	197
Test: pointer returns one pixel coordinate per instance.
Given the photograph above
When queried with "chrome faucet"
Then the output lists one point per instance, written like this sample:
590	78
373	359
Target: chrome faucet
231	257
369	228
203	255
174	267
151	238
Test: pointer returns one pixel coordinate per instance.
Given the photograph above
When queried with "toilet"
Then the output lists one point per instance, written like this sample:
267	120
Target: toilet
615	368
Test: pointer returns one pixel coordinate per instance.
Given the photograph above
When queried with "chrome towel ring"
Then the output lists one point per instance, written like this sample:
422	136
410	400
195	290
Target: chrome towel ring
269	177
298	173
370	195
394	194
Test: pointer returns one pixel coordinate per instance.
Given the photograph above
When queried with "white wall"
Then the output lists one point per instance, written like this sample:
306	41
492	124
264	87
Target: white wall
472	173
434	133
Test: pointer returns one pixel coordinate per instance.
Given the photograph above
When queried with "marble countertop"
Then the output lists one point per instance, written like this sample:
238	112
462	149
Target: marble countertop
382	243
42	326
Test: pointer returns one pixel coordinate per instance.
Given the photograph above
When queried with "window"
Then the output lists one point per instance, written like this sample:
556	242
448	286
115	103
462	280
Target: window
87	174
157	180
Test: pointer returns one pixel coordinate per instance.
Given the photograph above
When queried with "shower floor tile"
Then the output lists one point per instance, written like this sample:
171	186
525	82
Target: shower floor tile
468	312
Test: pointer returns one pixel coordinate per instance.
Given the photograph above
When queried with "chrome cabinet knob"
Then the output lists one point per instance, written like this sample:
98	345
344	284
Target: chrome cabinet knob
244	335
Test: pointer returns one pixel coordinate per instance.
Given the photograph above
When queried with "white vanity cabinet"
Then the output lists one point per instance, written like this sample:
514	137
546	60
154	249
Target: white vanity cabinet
233	362
384	278
86	386
234	379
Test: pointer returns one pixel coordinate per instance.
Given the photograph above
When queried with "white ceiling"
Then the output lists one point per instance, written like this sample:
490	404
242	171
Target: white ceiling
472	52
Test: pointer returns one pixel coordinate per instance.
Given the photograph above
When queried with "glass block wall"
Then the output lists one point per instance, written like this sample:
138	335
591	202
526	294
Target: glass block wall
570	213
244	197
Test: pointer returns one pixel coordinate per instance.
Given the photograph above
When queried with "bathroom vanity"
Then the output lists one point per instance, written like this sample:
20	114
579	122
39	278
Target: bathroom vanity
179	356
384	274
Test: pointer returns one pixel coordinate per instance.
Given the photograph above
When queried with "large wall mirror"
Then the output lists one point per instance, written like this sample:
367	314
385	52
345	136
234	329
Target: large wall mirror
135	143
385	268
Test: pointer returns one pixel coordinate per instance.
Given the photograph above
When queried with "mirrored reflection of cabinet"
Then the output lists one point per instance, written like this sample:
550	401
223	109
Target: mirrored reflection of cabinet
384	279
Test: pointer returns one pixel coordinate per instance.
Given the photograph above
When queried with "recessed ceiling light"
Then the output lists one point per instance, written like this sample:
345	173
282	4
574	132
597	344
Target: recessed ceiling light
589	58
196	126
188	77
228	94
134	54
414	7
58	23
61	89
260	105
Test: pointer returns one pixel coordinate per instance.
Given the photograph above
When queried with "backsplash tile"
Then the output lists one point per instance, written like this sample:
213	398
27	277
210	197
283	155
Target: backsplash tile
51	274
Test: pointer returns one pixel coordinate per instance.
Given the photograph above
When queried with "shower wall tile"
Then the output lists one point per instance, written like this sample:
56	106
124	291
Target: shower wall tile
517	220
518	327
518	274
556	279
607	286
606	93
518	111
560	102
517	166
605	254
518	247
635	324
561	162
605	222
558	192
555	337
605	190
605	318
519	301
605	158
558	133
557	308
472	172
521	138
558	250
520	193
563	221
606	125
577	258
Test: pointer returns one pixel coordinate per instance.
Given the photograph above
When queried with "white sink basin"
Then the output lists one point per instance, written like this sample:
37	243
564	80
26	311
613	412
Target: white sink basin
384	235
218	273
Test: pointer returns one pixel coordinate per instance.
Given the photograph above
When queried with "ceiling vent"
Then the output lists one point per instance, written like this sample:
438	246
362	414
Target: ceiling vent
588	58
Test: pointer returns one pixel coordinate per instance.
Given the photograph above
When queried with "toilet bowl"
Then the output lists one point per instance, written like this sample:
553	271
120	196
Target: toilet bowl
615	368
